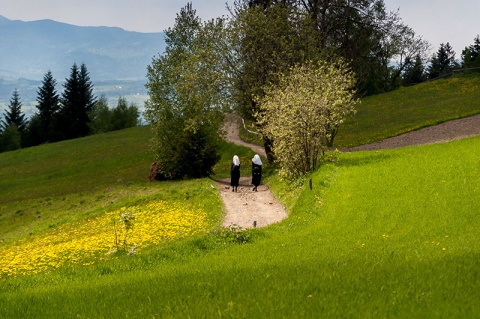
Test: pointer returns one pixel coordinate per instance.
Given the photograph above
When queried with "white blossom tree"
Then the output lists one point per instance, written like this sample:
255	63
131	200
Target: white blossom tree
303	112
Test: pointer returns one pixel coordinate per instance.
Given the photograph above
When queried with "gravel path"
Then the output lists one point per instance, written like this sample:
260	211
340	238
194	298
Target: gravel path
447	131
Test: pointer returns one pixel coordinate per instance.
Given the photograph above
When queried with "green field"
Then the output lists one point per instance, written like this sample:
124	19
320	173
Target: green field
382	234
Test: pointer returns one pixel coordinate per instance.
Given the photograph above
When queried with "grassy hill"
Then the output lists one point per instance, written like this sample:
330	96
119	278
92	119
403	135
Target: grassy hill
382	234
411	108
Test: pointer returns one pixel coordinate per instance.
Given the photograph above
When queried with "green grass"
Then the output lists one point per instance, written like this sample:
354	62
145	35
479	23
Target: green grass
75	166
383	234
411	108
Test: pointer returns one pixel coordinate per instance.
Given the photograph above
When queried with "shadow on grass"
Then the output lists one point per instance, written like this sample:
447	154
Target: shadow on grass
365	158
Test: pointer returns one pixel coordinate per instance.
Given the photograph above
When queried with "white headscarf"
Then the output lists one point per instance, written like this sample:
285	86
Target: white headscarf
256	160
236	160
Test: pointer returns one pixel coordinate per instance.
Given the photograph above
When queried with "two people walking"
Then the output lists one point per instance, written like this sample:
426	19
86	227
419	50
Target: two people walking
235	172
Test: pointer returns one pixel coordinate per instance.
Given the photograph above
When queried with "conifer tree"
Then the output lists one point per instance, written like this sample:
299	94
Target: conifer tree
14	115
48	106
443	61
470	55
77	101
414	73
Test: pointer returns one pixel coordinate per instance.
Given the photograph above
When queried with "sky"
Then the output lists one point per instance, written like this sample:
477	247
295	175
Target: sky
441	21
131	15
437	21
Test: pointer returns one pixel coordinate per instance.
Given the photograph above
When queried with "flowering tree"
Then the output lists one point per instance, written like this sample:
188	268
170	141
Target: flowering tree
303	112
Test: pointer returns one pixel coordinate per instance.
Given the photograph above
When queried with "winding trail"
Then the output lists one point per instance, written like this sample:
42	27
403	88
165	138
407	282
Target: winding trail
246	207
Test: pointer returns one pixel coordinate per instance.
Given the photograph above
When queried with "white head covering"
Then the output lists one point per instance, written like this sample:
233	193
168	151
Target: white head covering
256	160
236	160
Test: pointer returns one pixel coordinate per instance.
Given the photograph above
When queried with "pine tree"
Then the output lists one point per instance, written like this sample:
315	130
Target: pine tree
443	61
470	55
86	89
14	115
48	106
76	101
414	73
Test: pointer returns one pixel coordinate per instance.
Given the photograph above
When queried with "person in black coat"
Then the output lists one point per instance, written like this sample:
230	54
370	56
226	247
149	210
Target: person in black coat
235	173
256	171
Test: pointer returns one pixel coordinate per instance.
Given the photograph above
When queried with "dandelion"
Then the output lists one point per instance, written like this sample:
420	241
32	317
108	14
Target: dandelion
93	240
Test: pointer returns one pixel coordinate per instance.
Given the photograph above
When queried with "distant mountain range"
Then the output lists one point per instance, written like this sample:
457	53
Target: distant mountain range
114	57
30	49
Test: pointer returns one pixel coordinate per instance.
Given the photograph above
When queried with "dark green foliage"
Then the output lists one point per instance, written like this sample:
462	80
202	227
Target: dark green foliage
196	155
14	115
103	119
12	127
48	107
76	101
414	73
273	36
124	115
34	133
443	62
270	37
100	117
470	55
10	139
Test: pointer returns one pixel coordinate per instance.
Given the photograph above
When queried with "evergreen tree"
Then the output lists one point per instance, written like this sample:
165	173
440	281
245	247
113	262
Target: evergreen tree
470	55
414	73
443	61
14	115
48	106
77	101
33	135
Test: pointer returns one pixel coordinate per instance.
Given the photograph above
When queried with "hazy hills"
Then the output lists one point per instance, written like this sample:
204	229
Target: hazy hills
114	57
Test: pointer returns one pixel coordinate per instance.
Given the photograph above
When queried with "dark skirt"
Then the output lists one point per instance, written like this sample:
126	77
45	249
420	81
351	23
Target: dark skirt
234	175
256	174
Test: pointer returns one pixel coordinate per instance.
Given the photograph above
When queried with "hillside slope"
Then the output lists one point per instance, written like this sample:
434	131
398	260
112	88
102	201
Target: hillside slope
411	108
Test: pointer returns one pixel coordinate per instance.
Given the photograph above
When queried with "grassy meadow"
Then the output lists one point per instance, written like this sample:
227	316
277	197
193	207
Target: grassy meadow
382	234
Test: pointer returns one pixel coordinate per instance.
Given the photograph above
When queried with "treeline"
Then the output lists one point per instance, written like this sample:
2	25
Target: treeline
443	63
75	113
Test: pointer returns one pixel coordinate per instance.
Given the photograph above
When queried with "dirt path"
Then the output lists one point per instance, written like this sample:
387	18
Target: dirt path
246	207
232	129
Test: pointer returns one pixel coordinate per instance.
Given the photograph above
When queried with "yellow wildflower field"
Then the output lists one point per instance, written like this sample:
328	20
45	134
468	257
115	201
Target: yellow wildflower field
92	240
